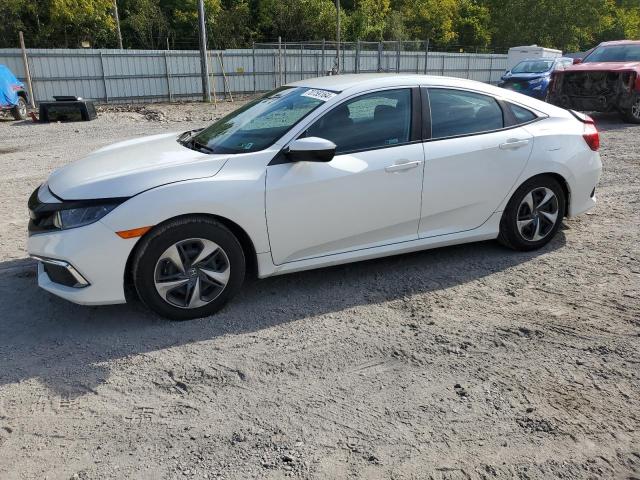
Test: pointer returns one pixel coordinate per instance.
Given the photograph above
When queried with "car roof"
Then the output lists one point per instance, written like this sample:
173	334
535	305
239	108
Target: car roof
619	42
361	82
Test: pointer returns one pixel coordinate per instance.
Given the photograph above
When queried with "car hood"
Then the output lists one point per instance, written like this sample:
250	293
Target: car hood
603	66
130	167
525	76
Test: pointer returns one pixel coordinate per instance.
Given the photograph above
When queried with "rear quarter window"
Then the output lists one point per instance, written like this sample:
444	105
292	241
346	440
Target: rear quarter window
521	114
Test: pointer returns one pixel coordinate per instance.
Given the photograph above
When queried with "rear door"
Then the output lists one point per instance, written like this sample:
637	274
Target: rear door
475	153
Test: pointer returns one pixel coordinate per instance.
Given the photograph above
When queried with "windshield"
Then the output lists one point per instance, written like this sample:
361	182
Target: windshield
615	53
260	123
533	66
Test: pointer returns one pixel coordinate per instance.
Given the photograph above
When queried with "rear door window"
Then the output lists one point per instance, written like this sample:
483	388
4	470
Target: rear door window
460	112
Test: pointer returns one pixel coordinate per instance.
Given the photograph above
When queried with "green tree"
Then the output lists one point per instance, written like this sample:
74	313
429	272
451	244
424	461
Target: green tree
367	19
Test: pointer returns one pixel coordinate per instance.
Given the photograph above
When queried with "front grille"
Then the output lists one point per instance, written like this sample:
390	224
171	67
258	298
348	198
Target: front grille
61	275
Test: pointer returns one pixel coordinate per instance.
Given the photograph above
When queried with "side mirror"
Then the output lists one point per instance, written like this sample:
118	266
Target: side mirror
577	60
311	149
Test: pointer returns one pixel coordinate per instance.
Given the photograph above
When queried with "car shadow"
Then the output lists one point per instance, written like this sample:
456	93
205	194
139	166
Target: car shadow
67	347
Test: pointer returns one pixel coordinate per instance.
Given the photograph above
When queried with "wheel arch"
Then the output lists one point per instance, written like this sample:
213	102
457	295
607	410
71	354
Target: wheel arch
240	233
557	177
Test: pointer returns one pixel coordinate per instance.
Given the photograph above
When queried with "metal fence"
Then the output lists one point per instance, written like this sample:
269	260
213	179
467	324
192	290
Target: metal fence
120	76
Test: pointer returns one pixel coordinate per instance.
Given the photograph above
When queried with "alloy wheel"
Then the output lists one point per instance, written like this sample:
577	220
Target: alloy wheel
192	273
635	109
22	109
537	214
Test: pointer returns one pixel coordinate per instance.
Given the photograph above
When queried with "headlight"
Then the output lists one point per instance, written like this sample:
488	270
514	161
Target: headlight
78	217
536	81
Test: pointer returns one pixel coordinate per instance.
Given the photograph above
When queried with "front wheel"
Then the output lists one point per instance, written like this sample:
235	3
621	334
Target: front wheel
188	268
533	215
632	114
19	112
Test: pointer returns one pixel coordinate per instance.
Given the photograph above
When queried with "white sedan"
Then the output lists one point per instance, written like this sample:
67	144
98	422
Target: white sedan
318	172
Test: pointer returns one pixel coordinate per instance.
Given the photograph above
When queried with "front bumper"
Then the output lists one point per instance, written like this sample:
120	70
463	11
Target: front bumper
94	252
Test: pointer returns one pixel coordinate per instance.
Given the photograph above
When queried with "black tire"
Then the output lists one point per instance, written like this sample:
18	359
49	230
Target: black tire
511	235
19	112
156	243
632	114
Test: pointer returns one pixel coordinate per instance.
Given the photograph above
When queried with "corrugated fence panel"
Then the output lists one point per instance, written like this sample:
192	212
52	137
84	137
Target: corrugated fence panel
110	75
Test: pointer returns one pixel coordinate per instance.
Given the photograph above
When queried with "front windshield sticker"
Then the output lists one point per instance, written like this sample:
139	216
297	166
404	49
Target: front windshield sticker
323	95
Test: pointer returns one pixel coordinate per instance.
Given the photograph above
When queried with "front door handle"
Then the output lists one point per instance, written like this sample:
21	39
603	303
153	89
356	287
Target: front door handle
402	165
514	143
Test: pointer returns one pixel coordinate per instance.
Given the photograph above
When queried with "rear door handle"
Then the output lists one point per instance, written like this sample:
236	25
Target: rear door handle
514	143
402	165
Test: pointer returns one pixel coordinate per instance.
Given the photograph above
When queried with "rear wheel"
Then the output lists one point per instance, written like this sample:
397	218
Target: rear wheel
19	112
533	215
632	114
188	268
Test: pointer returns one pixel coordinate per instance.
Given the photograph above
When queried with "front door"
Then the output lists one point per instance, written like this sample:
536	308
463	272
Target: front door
367	196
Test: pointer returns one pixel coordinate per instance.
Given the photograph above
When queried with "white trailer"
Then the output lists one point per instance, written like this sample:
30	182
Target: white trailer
517	54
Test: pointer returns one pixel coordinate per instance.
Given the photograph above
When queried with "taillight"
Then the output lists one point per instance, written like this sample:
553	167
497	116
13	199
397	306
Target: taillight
591	135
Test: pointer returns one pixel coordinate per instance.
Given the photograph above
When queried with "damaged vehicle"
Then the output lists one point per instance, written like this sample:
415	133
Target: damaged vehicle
607	79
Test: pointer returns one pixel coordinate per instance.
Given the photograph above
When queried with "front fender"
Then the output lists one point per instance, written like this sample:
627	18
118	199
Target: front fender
235	193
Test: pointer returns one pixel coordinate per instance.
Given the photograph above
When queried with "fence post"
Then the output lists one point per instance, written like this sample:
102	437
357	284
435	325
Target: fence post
317	64
285	61
279	61
490	67
275	70
426	56
324	65
253	62
357	67
166	70
301	62
379	56
397	56
468	65
27	73
104	79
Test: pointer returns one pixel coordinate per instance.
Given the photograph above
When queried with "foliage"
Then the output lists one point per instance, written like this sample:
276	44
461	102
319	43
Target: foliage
571	25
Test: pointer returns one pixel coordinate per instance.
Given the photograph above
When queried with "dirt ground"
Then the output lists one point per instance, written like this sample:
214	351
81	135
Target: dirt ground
467	362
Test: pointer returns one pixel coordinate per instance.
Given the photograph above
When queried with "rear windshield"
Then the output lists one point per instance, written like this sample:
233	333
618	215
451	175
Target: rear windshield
533	66
615	53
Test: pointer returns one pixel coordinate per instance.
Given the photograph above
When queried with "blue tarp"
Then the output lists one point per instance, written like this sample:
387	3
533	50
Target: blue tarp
8	94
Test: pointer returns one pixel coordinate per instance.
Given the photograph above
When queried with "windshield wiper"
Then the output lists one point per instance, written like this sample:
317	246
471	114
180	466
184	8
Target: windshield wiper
194	144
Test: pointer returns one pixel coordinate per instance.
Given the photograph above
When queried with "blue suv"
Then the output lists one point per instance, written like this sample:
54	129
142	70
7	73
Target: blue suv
532	76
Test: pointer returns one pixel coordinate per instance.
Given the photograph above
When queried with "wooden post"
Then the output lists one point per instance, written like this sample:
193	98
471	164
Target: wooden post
213	83
324	65
117	18
104	79
379	56
224	76
398	56
27	73
357	67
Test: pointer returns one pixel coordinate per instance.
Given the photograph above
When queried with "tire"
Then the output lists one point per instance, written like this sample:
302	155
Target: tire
19	112
632	114
526	223
212	268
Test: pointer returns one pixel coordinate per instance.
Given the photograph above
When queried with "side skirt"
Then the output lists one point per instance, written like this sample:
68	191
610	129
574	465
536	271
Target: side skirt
488	231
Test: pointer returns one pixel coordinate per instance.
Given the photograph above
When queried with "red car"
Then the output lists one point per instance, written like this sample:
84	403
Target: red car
607	79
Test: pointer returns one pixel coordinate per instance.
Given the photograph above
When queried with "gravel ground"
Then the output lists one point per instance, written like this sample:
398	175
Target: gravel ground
460	363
